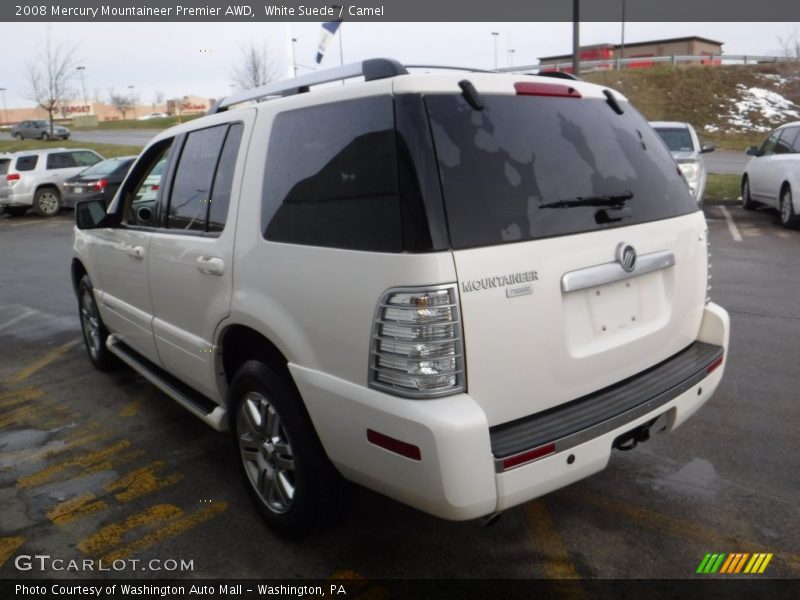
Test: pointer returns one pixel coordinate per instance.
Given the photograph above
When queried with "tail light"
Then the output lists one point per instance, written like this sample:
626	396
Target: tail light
558	90
12	177
98	185
417	348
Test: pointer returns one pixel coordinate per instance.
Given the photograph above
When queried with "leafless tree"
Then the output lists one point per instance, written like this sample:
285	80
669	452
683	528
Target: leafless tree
256	68
121	102
790	44
49	76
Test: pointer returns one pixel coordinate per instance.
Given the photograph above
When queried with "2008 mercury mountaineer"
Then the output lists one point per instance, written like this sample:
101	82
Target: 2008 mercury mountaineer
458	289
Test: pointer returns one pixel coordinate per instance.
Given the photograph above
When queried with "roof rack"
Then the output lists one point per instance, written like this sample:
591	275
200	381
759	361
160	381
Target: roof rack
450	68
371	69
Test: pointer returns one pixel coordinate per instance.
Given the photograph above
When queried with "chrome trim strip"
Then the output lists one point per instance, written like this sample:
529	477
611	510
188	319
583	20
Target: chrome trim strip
610	272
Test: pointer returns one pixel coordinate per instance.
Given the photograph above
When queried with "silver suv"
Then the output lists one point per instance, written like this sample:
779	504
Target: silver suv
35	178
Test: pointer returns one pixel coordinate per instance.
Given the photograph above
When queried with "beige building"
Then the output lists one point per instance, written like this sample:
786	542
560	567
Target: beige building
607	54
106	112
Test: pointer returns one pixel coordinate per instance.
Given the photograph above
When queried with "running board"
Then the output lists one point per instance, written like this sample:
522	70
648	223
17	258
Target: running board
204	408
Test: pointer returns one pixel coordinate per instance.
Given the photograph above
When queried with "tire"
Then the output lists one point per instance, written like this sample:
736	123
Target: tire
45	136
92	327
747	202
788	216
18	136
289	477
47	202
15	211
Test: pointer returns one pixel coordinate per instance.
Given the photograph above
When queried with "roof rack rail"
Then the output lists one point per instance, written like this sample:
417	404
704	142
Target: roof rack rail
450	68
371	69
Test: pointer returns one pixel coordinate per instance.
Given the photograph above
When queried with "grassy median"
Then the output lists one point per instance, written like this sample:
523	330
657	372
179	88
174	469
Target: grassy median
106	150
722	188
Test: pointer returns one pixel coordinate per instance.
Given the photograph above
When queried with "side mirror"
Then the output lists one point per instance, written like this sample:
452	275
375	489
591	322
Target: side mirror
90	214
707	147
752	151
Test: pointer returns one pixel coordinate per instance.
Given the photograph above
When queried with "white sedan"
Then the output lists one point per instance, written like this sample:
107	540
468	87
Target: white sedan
152	115
772	176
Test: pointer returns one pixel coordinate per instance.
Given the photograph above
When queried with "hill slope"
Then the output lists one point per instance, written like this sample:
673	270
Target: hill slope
732	105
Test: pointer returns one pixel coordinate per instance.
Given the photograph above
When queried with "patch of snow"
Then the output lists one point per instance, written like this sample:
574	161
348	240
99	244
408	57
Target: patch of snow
711	128
759	104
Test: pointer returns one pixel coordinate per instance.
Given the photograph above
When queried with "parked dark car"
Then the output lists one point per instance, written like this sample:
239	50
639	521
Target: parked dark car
40	130
100	181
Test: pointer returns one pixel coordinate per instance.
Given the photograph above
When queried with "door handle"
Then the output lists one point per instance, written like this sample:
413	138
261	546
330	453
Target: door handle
210	265
135	252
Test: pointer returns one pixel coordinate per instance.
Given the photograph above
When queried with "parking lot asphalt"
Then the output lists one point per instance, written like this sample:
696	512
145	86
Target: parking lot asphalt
726	162
96	465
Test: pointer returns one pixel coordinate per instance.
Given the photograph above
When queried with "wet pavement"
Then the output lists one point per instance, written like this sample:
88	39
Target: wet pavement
103	466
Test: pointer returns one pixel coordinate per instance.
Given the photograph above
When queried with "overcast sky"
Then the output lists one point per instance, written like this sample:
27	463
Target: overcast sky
198	59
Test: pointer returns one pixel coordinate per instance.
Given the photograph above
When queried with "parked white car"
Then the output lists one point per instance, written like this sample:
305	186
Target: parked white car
772	176
461	290
685	147
152	115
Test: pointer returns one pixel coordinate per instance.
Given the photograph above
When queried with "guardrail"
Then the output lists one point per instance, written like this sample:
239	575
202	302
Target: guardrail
588	66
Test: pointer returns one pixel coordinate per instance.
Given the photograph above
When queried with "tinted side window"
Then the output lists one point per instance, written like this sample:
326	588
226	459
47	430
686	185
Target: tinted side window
331	177
768	147
191	189
84	158
27	163
4	166
61	160
141	193
221	192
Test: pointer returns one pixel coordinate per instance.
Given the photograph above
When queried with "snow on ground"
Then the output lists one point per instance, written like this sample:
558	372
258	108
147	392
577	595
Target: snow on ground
759	109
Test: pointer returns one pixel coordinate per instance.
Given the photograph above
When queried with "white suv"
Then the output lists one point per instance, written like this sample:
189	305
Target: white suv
461	290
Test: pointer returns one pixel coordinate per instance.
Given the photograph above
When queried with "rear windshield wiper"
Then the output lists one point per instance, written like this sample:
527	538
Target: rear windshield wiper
613	200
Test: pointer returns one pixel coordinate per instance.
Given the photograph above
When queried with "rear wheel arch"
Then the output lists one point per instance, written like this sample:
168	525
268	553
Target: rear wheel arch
240	343
77	271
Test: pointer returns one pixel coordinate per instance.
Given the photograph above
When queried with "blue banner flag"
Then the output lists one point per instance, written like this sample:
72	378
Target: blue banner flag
329	29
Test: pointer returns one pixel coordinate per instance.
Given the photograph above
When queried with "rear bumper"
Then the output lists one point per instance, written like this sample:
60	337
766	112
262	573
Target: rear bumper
17	199
460	473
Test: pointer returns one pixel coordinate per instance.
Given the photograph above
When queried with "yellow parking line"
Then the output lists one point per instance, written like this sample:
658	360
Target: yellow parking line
75	508
14	397
141	481
9	545
99	460
51	356
132	408
110	536
175	528
555	561
42	415
708	538
21	223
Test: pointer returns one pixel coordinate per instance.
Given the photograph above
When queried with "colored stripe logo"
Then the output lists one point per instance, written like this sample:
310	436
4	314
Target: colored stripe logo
734	562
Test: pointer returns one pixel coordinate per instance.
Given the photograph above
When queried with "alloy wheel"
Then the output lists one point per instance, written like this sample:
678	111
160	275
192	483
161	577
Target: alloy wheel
90	323
266	452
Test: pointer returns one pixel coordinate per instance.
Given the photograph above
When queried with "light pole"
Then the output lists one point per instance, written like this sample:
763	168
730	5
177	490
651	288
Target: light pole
81	69
294	62
5	108
495	35
622	40
576	44
511	57
133	102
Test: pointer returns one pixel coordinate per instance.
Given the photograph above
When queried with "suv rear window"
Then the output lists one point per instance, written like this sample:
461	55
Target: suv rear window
499	166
